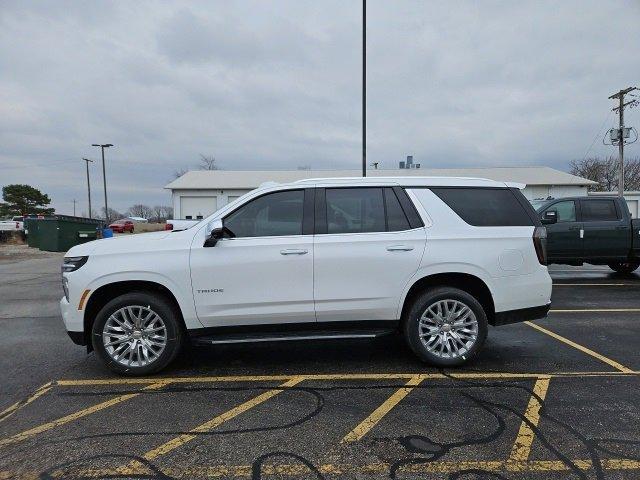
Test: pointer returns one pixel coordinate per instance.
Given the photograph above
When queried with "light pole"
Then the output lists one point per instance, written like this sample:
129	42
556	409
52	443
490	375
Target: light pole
364	88
88	184
104	178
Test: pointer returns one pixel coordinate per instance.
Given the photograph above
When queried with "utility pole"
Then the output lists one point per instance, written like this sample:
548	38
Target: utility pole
104	178
620	108
364	88
88	184
74	207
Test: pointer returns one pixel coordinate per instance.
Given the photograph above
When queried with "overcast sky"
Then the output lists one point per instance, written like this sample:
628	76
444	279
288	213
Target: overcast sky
277	84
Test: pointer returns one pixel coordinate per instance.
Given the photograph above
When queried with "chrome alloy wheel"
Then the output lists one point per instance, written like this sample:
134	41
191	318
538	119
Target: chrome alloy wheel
448	329
134	336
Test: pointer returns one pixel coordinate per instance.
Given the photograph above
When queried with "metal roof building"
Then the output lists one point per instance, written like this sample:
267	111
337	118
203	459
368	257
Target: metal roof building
198	193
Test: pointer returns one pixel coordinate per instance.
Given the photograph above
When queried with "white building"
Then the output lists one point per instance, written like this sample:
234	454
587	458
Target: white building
198	193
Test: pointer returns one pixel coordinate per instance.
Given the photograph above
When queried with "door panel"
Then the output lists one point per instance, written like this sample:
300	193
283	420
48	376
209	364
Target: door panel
606	233
563	238
257	283
263	275
361	276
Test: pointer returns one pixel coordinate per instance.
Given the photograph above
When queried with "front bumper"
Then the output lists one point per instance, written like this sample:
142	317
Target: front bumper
520	315
73	322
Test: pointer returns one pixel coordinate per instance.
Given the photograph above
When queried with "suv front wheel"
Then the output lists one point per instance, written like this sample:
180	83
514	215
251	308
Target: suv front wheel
445	326
137	334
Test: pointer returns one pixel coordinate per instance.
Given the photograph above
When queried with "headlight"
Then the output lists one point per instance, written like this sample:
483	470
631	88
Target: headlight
71	264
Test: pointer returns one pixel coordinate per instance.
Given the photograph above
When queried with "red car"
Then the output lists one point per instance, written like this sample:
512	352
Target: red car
122	226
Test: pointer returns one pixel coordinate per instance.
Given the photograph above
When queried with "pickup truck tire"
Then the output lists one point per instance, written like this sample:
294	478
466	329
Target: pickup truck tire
624	267
445	326
137	333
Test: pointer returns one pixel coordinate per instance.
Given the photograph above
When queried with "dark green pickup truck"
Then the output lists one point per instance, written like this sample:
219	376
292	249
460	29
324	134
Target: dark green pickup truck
595	230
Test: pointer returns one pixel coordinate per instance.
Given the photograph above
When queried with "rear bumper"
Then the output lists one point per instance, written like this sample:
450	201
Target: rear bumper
520	315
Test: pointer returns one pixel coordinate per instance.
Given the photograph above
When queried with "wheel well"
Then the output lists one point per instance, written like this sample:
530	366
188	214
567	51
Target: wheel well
106	293
464	281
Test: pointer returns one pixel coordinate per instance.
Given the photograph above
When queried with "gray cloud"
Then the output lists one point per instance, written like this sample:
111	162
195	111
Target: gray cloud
276	84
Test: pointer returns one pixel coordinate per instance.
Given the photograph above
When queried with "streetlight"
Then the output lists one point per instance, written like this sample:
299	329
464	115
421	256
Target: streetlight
88	184
104	178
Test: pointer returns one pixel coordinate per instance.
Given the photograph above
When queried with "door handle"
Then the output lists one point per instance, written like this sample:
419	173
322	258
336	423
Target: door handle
574	228
399	248
623	227
293	251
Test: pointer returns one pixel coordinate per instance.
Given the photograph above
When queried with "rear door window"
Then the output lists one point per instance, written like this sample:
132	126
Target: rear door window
355	210
599	211
485	207
396	219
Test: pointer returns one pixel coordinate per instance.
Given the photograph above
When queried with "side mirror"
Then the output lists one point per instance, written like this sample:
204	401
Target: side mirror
550	217
216	233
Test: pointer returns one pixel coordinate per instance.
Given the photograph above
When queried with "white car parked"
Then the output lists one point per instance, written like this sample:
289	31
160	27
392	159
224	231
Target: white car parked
438	259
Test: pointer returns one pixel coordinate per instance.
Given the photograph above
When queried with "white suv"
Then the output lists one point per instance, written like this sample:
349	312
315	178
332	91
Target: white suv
437	259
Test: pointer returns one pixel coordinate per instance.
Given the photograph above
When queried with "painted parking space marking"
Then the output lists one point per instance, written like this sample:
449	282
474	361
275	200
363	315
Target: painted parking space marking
608	361
518	460
180	440
522	446
596	284
595	310
6	413
297	470
372	420
75	416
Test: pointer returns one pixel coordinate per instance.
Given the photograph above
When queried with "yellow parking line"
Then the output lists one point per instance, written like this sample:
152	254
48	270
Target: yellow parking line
345	469
522	445
595	284
332	376
6	413
377	415
586	350
18	437
180	440
594	310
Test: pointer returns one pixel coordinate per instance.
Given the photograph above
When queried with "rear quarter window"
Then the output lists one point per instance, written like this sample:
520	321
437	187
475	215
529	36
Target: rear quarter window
485	207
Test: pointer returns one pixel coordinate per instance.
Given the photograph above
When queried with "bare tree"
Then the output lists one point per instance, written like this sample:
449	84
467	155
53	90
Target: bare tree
208	162
167	212
605	172
140	210
158	213
113	214
179	172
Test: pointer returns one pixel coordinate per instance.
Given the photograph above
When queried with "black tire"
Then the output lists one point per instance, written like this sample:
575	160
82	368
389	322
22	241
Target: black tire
173	331
624	267
421	303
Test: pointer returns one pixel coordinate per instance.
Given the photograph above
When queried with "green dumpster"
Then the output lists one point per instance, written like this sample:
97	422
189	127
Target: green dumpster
31	230
60	233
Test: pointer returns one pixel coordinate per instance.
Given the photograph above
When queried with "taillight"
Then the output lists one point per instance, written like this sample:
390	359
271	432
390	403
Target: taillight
168	226
540	244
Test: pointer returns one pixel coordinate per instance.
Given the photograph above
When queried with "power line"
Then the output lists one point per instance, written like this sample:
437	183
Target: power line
598	134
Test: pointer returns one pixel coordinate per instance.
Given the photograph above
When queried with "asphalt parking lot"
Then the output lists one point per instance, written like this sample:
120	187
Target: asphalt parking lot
556	398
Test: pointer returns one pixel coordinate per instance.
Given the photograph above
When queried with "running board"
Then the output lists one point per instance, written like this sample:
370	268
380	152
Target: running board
223	339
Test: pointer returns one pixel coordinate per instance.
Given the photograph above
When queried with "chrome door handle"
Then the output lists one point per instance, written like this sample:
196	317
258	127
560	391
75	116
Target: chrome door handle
399	248
293	251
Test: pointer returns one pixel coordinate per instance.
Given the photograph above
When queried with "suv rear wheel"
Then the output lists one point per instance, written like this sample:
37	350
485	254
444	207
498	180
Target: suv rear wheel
445	326
137	334
624	267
